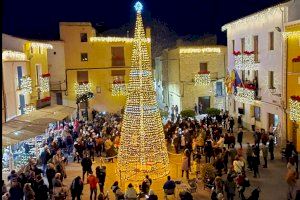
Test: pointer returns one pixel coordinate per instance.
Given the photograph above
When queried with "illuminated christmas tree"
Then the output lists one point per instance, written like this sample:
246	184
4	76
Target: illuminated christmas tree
143	149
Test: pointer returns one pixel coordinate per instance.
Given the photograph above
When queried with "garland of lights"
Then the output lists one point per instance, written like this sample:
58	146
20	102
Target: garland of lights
13	55
44	84
41	45
142	147
84	97
29	108
81	89
202	79
26	85
291	34
259	16
200	50
118	89
115	39
294	109
245	95
245	61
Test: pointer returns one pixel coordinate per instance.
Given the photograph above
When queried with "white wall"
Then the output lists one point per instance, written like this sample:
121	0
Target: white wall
269	60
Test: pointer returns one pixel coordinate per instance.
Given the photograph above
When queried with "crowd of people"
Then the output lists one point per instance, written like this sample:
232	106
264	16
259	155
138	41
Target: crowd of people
211	138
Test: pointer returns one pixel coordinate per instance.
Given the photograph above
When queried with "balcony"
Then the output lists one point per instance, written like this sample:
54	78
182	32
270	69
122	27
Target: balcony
41	103
245	60
55	86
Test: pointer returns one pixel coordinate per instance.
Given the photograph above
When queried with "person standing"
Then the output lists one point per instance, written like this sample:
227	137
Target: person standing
76	188
231	124
176	110
101	174
255	163
196	109
200	108
249	154
185	166
230	187
86	164
130	193
265	155
45	157
50	173
93	181
240	137
240	122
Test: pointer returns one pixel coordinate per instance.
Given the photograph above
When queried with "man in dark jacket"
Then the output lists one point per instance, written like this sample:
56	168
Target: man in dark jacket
45	157
86	164
101	174
240	137
41	191
76	188
169	185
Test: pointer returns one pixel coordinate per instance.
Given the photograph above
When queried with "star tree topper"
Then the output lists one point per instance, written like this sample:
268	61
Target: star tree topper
138	7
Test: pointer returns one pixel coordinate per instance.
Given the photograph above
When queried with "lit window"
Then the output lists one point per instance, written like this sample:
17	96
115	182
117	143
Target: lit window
203	67
117	56
84	57
271	40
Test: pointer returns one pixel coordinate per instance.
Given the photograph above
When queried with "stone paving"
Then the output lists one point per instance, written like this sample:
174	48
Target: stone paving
271	181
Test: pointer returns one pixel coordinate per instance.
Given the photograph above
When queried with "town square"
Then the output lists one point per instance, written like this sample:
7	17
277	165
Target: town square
151	100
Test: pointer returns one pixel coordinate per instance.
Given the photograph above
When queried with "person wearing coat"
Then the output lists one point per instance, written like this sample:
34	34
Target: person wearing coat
101	174
28	192
265	155
152	195
15	191
76	188
130	193
185	166
50	173
41	191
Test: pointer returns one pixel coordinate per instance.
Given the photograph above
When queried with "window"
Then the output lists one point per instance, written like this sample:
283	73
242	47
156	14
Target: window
257	113
83	37
219	89
31	50
243	45
84	57
233	47
20	74
255	45
203	67
117	54
40	50
117	72
271	80
82	77
271	40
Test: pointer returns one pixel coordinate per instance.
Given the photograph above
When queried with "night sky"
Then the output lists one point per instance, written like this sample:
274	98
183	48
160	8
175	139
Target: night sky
39	19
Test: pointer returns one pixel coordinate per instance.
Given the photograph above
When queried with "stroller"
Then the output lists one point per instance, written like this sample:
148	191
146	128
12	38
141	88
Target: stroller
255	194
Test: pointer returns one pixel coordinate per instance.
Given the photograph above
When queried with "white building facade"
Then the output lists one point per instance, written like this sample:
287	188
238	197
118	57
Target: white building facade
256	52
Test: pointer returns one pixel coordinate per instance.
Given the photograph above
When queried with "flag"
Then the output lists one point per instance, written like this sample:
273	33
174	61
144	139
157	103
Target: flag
228	83
237	81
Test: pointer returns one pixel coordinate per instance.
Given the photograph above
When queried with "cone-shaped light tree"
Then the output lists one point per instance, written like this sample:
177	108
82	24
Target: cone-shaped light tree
143	150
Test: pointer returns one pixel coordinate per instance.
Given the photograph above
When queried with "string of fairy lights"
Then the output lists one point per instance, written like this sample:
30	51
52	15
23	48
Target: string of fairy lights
202	79
118	89
294	110
44	84
116	39
26	83
81	89
8	55
245	95
142	150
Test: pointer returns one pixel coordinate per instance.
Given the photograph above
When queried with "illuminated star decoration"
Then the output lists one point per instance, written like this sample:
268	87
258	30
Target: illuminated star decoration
138	7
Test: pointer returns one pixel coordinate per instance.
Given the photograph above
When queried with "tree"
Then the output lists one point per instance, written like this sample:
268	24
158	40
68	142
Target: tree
142	147
187	113
213	111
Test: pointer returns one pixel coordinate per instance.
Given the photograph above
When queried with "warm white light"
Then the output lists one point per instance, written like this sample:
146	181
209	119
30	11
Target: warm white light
26	85
202	79
118	89
294	110
291	34
41	45
257	17
245	62
115	39
81	89
13	55
244	95
142	148
29	108
200	50
44	84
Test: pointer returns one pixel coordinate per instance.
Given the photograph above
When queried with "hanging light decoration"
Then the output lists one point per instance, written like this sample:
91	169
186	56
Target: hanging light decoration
202	79
115	39
8	55
29	108
41	45
26	85
84	88
44	83
200	50
291	34
118	88
245	95
295	108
